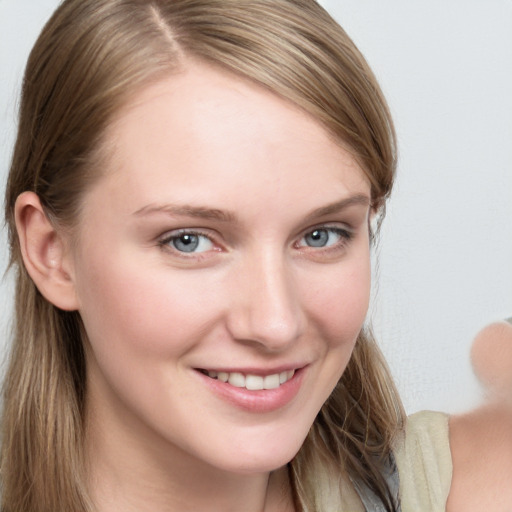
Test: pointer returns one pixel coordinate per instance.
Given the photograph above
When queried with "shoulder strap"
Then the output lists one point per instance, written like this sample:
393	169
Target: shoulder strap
369	499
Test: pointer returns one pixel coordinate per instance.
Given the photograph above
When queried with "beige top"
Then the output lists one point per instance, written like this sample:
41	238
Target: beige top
424	463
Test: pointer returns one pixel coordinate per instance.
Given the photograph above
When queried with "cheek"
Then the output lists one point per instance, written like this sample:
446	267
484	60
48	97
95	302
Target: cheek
141	313
339	302
337	306
135	309
138	329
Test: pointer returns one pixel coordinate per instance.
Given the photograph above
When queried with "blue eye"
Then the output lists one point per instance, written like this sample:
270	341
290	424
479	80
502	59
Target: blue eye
324	237
188	242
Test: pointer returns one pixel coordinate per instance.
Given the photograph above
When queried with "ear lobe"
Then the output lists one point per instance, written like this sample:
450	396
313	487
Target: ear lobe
44	253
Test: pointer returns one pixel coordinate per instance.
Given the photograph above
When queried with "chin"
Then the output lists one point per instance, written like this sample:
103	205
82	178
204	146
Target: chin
259	465
262	457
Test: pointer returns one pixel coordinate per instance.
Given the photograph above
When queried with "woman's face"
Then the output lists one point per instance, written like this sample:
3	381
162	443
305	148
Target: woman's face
227	239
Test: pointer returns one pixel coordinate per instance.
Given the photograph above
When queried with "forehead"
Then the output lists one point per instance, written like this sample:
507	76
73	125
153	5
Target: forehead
204	126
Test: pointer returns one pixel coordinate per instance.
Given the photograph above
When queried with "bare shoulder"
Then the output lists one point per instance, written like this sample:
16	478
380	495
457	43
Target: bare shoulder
481	447
481	440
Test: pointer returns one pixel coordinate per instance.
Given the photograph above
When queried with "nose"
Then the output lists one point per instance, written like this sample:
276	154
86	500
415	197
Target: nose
265	306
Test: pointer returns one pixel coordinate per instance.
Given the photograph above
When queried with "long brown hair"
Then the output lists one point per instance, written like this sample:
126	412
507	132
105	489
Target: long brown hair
90	58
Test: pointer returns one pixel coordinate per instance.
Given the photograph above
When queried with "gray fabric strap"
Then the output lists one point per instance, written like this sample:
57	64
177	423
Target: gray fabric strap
370	501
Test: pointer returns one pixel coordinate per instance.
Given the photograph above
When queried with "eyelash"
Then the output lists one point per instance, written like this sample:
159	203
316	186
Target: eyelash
345	236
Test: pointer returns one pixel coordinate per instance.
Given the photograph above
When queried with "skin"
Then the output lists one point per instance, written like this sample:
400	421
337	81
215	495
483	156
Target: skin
209	153
481	440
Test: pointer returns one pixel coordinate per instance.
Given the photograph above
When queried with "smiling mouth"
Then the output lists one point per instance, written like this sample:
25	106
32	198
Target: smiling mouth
251	382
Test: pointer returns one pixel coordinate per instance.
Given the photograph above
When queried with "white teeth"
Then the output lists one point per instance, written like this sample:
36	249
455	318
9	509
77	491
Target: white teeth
253	382
237	380
271	381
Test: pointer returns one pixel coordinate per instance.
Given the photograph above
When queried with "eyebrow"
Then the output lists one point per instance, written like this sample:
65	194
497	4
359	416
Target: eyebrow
338	206
200	212
187	211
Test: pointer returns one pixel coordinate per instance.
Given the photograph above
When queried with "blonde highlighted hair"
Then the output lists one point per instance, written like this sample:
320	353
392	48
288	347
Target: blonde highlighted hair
91	57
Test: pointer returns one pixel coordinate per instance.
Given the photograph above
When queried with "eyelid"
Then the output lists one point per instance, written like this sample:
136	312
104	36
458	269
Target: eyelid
173	233
330	226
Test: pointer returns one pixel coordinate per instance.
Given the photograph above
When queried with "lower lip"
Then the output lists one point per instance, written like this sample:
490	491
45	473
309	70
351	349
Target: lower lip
261	401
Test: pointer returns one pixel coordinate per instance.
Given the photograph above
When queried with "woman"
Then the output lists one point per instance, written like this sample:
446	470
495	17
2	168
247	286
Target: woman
189	205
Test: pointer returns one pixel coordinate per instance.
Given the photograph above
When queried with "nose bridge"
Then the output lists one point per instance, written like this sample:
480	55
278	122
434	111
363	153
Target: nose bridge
267	308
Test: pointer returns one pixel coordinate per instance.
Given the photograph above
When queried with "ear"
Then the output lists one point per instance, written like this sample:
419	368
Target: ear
45	253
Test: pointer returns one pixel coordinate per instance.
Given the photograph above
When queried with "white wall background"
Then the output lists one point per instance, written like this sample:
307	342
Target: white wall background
446	251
